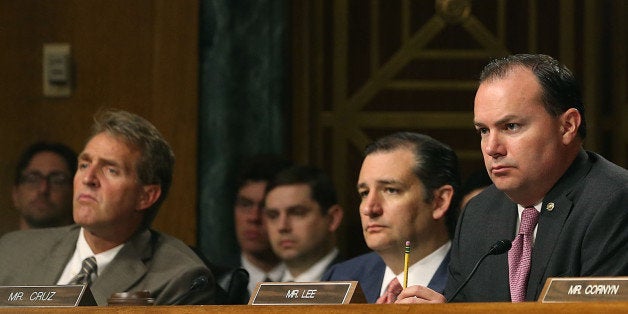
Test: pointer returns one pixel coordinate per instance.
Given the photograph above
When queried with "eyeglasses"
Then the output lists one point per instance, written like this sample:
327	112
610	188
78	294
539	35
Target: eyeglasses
54	179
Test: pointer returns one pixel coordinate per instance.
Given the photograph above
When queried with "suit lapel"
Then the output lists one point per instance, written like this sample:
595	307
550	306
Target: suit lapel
554	212
339	258
438	281
58	257
549	228
373	277
125	269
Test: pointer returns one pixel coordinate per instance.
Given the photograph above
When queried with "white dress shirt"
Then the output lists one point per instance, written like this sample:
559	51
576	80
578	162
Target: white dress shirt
256	274
82	252
315	272
421	272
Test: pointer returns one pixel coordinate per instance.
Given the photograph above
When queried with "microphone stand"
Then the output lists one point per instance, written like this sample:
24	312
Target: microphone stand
499	247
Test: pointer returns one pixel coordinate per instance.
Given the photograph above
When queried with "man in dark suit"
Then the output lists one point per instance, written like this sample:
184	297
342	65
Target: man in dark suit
408	185
530	117
124	173
301	213
256	255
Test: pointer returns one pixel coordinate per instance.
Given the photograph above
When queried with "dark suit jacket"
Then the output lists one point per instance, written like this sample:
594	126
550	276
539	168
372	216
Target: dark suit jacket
149	261
338	259
585	233
368	269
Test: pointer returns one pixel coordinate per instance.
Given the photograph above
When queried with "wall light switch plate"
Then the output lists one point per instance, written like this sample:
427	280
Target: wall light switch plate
57	70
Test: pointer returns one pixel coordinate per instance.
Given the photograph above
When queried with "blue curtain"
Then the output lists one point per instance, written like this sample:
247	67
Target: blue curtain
242	99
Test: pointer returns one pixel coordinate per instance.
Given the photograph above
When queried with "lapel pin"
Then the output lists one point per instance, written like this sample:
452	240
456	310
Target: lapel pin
549	207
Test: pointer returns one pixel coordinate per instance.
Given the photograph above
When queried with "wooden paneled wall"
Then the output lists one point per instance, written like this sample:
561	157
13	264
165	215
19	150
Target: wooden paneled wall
363	69
139	55
360	69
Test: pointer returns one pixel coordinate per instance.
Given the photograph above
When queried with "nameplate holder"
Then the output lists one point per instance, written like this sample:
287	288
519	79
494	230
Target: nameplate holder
46	296
307	293
584	289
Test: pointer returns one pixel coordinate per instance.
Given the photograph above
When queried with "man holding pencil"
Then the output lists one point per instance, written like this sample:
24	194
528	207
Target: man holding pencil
408	183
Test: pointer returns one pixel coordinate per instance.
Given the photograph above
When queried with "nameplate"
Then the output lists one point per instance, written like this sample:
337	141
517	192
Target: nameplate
584	289
307	293
45	296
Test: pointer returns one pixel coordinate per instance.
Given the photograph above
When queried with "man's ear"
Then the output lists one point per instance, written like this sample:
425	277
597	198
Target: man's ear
570	121
335	214
442	199
150	194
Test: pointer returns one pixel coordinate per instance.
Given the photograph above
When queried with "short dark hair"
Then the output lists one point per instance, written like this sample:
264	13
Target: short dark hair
436	165
321	187
260	168
560	89
64	151
156	161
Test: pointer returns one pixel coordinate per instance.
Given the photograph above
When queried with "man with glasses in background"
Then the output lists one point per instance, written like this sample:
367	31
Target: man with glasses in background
42	190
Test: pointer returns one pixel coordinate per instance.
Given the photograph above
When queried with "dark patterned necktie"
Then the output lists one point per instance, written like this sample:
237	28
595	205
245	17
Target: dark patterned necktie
520	253
88	268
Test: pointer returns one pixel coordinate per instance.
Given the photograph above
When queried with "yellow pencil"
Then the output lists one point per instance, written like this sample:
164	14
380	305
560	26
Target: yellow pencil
405	265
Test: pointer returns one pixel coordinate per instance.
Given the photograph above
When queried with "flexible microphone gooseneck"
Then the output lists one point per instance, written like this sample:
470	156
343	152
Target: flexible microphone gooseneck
199	283
499	247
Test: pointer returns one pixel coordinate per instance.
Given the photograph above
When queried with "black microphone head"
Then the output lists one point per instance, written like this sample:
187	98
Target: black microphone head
500	247
199	283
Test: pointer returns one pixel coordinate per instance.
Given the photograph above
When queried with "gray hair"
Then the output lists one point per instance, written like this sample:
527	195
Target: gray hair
156	161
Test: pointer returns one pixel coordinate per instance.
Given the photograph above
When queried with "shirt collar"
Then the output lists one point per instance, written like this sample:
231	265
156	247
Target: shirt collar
256	274
103	259
520	209
421	272
315	272
83	251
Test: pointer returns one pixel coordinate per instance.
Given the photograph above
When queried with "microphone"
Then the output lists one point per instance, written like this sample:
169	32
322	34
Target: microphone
499	247
199	283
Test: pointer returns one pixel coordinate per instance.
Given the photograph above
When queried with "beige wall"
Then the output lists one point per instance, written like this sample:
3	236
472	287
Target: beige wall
139	55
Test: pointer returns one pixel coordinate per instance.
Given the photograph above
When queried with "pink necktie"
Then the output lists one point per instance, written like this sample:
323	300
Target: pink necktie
392	291
519	255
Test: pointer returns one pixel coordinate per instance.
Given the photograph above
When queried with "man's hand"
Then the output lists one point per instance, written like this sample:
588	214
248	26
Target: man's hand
419	294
